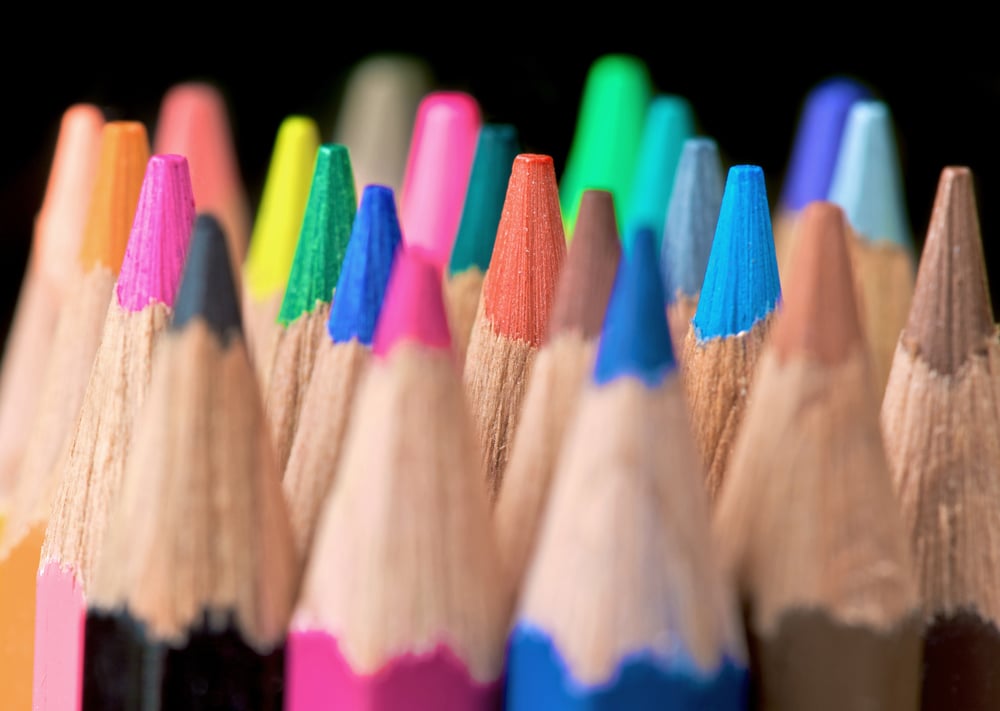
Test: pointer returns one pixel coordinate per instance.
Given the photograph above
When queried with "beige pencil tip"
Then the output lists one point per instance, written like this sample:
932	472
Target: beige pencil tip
819	314
951	316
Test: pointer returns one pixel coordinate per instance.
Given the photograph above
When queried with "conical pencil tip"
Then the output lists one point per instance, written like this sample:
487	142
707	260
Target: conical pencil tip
413	309
207	289
951	315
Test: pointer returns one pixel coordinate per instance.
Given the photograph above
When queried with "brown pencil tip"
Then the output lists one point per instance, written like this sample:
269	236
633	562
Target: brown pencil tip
951	315
819	316
586	279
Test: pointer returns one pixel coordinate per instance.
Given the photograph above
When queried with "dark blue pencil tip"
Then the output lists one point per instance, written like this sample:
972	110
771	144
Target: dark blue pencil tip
207	289
817	140
741	281
691	218
635	340
375	238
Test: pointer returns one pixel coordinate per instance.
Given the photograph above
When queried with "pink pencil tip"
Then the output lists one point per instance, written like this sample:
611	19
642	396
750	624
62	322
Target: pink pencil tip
437	171
161	231
413	309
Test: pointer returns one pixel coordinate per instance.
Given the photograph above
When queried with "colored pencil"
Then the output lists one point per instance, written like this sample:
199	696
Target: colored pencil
92	476
625	605
194	122
51	268
813	156
275	234
124	153
376	114
687	236
305	307
404	603
496	150
197	575
514	308
941	419
740	294
609	127
557	377
806	521
868	185
437	171
669	122
341	361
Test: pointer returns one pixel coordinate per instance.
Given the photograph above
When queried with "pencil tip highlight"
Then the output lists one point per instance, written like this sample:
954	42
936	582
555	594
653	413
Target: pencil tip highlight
413	309
207	290
741	284
360	292
635	340
867	182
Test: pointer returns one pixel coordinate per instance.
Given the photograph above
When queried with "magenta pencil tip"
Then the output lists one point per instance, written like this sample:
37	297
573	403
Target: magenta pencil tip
413	309
161	231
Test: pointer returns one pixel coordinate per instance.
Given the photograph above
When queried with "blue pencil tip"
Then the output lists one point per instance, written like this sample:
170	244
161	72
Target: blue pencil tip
817	141
867	182
635	340
669	122
741	281
374	241
691	218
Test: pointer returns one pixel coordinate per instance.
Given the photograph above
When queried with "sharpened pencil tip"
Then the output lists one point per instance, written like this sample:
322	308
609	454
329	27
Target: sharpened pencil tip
207	289
413	309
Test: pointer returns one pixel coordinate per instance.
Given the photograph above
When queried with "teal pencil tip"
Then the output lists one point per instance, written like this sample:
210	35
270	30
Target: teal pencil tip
325	233
741	284
867	182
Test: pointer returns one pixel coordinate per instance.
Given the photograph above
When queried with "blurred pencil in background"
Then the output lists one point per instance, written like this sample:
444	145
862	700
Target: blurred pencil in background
305	307
90	482
376	114
806	519
735	313
514	309
404	604
197	575
625	604
341	361
692	216
868	185
557	377
52	269
496	149
275	235
813	156
941	418
124	154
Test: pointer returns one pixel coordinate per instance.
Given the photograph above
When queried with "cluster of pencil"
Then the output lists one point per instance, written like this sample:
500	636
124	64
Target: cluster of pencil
436	430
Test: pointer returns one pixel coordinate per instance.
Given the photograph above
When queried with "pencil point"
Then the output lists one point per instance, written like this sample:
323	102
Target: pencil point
586	278
669	123
413	308
691	218
817	141
360	292
951	315
635	340
529	251
282	206
207	289
866	182
437	171
124	154
158	245
496	149
819	317
741	284
608	129
326	230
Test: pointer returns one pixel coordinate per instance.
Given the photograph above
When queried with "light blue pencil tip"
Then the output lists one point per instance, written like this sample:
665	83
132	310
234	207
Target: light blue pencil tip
867	182
741	281
635	340
691	218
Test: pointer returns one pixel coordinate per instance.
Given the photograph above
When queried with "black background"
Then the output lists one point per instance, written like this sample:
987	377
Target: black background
746	89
